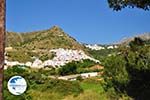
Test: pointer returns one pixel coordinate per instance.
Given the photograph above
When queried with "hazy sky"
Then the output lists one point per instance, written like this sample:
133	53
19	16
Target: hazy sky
89	21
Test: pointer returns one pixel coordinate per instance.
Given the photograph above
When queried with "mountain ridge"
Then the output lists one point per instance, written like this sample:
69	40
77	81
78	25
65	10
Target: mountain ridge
126	41
51	38
29	45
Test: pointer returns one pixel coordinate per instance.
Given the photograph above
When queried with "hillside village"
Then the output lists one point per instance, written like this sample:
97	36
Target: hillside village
90	67
54	40
51	64
26	49
97	47
62	56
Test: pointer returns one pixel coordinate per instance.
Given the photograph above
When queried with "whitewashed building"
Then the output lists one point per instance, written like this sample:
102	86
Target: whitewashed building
37	64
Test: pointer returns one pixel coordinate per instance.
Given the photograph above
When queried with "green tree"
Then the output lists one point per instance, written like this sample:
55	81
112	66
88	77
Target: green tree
119	4
129	71
69	68
136	44
115	73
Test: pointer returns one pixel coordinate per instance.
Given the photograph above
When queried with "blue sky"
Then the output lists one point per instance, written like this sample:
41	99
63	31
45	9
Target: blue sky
89	21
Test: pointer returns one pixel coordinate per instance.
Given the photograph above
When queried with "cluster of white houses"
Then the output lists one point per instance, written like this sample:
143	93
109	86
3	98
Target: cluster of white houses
62	57
97	47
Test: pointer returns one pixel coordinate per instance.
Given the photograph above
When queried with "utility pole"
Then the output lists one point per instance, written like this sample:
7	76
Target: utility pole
2	43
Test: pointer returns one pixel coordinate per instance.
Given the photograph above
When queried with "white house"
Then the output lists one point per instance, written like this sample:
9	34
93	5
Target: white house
28	64
87	75
110	47
37	64
95	47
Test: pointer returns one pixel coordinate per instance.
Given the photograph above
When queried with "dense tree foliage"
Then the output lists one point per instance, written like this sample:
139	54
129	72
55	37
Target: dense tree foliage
129	71
119	4
40	87
68	69
77	67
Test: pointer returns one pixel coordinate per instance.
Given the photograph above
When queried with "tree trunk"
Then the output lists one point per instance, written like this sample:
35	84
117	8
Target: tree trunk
2	44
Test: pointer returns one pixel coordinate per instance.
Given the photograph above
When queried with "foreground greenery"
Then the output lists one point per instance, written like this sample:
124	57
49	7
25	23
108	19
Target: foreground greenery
126	77
128	72
41	87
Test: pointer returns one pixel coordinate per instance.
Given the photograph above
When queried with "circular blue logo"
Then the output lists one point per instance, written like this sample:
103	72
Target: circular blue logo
17	85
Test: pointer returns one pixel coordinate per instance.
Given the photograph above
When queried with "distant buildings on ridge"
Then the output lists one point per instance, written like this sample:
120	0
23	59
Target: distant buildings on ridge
97	47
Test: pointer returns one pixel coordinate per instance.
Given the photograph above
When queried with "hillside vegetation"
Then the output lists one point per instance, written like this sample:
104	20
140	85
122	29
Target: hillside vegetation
54	37
128	72
125	75
37	44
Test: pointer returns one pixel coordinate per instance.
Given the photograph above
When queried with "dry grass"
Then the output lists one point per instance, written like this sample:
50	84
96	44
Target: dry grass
88	95
36	95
